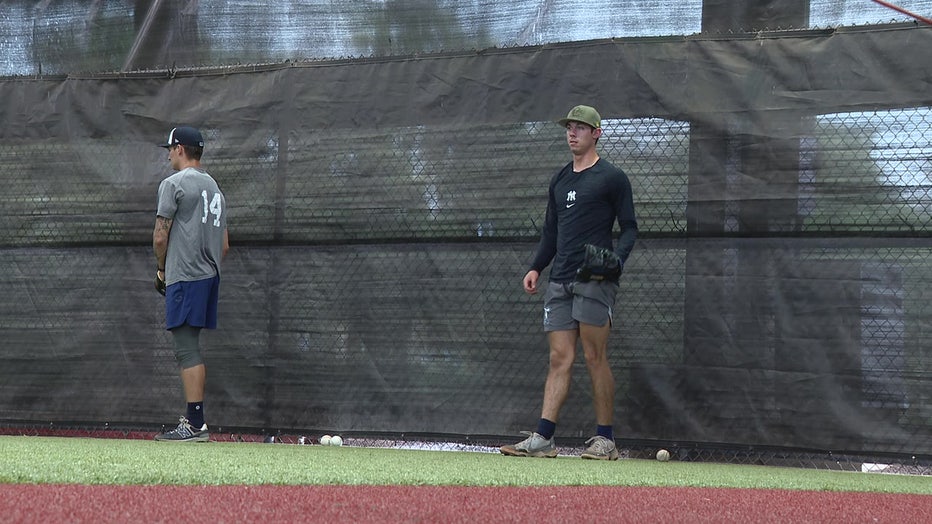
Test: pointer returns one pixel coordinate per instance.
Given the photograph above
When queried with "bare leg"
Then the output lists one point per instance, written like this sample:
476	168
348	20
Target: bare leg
193	380
562	354
595	349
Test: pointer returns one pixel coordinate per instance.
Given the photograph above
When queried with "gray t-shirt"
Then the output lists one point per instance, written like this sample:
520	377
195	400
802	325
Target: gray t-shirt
192	199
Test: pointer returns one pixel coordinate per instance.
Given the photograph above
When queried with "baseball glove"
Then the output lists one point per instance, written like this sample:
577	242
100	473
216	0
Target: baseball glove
159	284
599	264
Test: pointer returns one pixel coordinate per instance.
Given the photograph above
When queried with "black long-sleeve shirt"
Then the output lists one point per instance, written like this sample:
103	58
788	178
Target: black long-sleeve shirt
582	209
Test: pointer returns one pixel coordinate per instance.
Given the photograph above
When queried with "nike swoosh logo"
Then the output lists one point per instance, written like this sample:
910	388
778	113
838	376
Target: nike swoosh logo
569	206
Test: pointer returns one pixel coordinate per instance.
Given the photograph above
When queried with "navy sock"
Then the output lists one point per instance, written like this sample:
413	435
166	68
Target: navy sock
196	414
605	431
546	428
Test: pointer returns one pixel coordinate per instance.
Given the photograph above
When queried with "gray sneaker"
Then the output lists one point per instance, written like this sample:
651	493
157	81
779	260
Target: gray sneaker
600	448
533	446
185	432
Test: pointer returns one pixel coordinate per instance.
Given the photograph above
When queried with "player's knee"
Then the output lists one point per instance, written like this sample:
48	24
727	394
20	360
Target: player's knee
187	352
188	357
598	364
561	361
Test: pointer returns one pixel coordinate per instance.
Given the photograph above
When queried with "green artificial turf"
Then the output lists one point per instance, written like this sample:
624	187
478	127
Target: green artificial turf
110	461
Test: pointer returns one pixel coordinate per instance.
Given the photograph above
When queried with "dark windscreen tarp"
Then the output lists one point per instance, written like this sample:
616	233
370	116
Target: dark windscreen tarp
383	212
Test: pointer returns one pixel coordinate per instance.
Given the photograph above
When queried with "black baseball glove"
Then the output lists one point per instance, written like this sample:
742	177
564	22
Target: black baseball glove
159	284
599	264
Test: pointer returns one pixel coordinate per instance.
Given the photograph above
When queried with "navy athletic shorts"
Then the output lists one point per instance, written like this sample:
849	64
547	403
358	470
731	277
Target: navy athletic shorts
192	303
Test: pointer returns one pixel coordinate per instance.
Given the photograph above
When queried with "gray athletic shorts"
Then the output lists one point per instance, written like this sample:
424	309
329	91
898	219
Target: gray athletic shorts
566	305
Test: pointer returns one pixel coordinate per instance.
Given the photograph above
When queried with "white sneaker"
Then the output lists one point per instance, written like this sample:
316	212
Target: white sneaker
533	446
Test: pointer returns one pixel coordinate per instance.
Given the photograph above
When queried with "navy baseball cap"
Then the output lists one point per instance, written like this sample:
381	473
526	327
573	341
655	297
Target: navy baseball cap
184	136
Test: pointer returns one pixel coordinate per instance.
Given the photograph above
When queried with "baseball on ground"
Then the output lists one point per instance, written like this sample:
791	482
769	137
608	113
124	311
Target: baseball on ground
663	455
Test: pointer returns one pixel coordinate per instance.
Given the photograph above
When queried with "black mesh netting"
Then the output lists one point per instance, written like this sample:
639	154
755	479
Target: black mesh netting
383	212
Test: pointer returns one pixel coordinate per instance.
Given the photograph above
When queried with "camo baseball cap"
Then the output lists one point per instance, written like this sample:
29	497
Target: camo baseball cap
184	136
585	114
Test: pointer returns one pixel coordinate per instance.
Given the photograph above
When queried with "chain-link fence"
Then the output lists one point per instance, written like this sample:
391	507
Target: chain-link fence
773	311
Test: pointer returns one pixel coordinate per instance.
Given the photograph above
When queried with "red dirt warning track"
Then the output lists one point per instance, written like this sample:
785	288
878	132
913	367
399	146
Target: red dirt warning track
27	503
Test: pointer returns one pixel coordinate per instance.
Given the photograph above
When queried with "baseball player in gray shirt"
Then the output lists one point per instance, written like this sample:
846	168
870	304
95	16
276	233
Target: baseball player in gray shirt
190	240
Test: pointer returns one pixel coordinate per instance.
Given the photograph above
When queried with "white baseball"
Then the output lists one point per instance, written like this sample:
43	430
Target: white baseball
336	440
663	455
326	440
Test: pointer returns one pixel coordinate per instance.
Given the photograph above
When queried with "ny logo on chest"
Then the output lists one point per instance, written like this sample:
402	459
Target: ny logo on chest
570	199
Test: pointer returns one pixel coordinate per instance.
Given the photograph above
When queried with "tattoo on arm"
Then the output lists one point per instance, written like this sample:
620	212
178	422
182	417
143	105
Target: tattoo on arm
160	236
163	224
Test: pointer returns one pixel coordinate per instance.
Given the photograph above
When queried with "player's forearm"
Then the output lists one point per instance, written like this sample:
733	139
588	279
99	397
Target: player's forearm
161	250
546	249
629	235
547	246
160	240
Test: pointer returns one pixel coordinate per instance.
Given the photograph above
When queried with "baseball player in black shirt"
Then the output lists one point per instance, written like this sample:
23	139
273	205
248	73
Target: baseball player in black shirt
586	198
